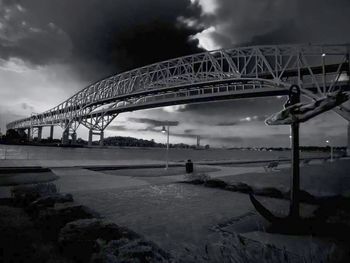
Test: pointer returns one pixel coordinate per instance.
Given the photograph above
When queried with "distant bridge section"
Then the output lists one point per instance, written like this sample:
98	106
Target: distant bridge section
246	72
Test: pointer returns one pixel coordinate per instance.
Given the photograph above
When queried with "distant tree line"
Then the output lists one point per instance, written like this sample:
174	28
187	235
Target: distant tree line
15	137
121	141
134	142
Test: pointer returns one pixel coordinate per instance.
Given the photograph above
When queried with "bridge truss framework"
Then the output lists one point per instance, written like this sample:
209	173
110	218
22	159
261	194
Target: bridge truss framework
235	73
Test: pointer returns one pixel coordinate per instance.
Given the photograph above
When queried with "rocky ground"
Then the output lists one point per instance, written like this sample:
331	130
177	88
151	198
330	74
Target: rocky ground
21	240
39	224
207	219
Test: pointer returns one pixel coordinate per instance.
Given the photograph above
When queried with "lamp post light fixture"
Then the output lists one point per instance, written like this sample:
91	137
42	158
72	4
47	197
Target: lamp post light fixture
328	142
324	71
167	146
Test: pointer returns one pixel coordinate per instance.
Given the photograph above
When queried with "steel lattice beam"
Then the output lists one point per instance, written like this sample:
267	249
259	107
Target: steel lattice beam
221	74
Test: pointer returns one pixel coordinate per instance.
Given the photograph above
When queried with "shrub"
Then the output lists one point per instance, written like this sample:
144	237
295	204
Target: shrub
217	183
135	251
197	178
23	195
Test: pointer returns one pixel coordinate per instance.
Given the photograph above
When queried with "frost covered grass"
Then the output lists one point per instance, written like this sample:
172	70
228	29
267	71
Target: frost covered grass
233	248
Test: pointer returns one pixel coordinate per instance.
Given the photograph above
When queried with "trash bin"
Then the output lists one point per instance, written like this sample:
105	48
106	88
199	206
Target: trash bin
189	167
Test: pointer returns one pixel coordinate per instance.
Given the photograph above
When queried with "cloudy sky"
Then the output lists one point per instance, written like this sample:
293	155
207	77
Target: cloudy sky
50	49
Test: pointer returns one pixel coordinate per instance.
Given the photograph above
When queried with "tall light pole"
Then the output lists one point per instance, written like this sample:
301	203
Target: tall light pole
167	146
328	142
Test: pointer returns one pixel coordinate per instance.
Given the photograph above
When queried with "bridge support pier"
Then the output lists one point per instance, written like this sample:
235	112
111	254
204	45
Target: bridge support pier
69	131
101	137
51	133
29	134
40	133
65	137
74	138
92	133
22	132
90	138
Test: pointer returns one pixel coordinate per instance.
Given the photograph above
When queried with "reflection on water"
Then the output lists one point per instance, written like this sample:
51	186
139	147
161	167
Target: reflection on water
11	152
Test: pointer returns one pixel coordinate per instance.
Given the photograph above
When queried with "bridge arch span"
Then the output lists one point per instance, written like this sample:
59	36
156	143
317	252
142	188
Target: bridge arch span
256	71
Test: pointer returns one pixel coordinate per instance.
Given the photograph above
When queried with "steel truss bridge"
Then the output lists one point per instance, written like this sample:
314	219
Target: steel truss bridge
235	73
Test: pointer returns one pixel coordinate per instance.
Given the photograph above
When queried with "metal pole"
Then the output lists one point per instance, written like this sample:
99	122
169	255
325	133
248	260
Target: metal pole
167	150
294	98
295	182
324	72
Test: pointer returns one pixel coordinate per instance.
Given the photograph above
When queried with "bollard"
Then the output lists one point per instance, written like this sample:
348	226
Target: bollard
189	167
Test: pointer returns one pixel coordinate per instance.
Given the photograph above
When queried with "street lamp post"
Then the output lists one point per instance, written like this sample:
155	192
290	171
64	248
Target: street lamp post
167	146
328	142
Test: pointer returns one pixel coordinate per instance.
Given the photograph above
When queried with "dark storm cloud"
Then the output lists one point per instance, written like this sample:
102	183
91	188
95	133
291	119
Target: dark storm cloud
23	37
277	136
227	123
242	22
117	128
93	39
97	38
26	106
230	112
247	119
152	122
184	135
156	129
189	131
229	141
149	129
286	33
